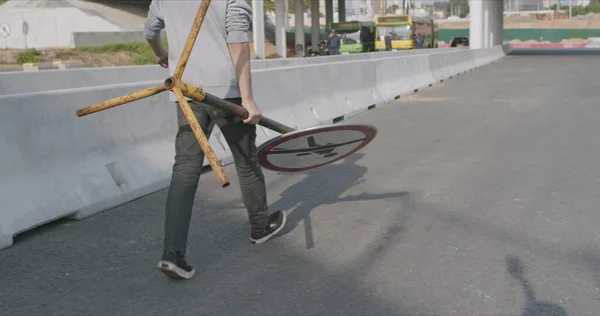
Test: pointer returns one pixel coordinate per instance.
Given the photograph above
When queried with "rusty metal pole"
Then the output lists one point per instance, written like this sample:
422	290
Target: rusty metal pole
183	90
191	40
197	94
214	162
138	95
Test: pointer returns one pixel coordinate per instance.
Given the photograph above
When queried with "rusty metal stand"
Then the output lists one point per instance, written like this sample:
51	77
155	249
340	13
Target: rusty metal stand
182	90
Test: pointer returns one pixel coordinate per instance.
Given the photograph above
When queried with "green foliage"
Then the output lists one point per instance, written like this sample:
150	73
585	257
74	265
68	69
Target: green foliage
2	1
30	56
145	59
142	51
143	54
462	5
592	7
133	47
578	10
270	6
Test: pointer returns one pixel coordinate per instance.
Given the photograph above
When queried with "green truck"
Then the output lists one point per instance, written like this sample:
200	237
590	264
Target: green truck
356	37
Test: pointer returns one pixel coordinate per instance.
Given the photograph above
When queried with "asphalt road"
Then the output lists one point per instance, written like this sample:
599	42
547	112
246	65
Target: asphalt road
478	197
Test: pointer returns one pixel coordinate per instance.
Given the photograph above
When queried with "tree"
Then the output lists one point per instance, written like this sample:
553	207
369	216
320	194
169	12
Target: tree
269	6
457	6
292	6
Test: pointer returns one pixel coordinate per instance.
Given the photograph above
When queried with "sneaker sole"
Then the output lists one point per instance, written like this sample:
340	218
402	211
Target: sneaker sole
264	239
174	271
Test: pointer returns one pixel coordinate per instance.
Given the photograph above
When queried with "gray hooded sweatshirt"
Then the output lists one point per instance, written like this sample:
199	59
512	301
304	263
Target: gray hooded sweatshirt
210	66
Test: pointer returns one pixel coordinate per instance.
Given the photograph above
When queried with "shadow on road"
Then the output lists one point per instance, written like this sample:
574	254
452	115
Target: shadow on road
106	265
323	186
533	307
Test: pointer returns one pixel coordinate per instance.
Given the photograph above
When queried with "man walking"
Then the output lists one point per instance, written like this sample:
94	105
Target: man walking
388	42
220	62
334	43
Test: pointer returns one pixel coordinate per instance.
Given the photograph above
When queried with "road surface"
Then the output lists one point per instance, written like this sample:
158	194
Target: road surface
478	197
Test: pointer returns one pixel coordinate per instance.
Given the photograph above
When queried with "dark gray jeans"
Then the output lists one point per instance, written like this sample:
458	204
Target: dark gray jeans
188	165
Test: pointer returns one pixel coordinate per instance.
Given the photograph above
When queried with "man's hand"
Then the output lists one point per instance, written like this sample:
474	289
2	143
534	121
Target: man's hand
162	55
162	59
254	112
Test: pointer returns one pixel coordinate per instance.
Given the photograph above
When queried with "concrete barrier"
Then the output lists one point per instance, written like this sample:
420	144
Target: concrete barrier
24	82
288	62
59	165
395	76
332	91
56	164
446	65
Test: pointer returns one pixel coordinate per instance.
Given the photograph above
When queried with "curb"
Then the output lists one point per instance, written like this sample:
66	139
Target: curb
549	45
67	64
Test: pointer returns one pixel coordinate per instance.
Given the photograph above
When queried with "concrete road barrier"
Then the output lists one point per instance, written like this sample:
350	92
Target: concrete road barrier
56	164
25	82
288	62
15	82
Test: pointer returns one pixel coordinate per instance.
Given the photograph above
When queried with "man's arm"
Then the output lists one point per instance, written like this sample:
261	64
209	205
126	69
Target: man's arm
152	28
240	57
237	24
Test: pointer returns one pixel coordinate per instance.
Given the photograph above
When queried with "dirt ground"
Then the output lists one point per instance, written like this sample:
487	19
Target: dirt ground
590	21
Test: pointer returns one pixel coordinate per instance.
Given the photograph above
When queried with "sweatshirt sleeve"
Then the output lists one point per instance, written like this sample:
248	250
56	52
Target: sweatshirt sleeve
237	20
154	22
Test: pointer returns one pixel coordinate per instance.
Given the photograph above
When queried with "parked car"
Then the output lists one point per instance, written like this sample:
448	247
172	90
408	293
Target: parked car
460	42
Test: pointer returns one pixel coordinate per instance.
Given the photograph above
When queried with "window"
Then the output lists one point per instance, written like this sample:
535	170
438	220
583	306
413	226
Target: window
392	19
398	32
460	41
351	38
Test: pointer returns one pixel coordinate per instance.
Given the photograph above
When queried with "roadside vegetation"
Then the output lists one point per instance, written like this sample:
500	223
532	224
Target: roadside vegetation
120	54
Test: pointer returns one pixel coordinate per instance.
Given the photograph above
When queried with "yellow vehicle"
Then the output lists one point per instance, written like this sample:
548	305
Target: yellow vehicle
406	31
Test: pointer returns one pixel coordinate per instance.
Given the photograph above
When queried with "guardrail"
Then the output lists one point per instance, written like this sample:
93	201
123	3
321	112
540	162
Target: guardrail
58	165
